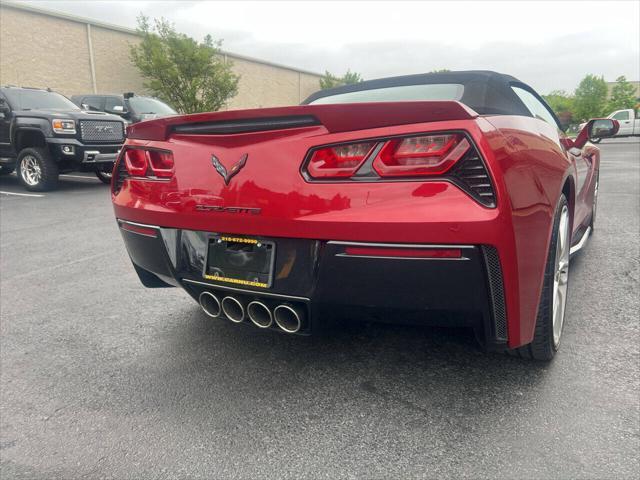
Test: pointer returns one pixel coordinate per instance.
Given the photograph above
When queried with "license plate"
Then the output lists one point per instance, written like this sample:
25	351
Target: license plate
240	261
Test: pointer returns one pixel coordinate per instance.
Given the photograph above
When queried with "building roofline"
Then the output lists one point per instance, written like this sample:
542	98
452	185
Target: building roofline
131	31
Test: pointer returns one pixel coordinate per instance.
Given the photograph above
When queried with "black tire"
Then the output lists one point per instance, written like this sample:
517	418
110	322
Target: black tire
48	176
595	140
104	177
6	170
543	347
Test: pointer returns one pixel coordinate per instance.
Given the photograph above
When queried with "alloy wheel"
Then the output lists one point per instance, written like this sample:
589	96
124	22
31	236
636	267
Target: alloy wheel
30	170
561	275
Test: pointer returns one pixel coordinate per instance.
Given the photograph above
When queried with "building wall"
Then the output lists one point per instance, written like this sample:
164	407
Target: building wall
46	49
42	51
114	71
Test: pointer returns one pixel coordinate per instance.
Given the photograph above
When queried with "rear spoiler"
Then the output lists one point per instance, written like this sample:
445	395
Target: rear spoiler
335	118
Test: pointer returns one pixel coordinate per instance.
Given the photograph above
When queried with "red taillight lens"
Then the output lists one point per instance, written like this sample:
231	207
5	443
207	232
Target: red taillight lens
338	161
135	160
142	162
423	155
161	163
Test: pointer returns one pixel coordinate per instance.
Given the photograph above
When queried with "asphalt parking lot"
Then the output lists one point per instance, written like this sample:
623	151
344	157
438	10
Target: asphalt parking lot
102	378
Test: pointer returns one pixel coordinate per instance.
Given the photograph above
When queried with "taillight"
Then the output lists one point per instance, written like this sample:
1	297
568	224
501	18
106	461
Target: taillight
420	156
161	163
450	156
411	156
142	162
338	161
135	160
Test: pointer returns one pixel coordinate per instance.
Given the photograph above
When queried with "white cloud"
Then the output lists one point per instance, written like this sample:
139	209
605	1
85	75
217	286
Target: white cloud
550	45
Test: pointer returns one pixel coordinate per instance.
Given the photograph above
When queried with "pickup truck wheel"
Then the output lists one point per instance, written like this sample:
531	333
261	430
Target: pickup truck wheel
104	176
36	169
6	170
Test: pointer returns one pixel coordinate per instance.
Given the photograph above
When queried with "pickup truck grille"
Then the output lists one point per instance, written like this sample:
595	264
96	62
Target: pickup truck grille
101	131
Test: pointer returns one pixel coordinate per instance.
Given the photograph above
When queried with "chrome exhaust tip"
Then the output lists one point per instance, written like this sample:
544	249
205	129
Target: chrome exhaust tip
233	309
210	304
259	314
288	318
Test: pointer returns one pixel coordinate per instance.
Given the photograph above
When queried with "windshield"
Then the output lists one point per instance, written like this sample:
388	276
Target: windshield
142	105
22	99
403	93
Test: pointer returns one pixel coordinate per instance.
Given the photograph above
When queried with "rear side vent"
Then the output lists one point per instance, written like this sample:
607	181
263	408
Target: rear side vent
471	175
496	292
229	127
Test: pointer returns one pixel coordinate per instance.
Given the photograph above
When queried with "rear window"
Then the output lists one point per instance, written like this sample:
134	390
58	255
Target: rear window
402	93
147	105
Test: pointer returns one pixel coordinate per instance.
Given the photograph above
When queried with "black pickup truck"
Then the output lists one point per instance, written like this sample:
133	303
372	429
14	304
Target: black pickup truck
43	134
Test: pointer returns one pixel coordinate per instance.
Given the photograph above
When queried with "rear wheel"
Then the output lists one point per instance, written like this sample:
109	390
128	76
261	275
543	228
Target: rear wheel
36	169
553	301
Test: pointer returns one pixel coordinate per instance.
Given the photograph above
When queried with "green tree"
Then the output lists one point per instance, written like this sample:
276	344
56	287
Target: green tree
331	81
562	104
590	98
189	75
560	101
623	95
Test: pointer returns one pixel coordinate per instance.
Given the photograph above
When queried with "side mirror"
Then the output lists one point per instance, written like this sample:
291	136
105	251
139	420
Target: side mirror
596	128
4	108
603	128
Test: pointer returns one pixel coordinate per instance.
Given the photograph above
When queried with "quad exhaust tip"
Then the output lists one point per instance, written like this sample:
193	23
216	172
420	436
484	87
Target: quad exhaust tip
233	309
287	318
260	314
210	304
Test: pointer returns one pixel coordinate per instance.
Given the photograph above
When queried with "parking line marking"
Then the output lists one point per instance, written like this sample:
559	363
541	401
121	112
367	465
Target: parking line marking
79	176
38	271
22	194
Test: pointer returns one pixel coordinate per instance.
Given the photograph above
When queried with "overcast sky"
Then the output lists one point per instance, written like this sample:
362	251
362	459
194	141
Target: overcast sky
550	45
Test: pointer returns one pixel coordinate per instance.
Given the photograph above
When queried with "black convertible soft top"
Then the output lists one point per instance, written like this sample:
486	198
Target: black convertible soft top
486	92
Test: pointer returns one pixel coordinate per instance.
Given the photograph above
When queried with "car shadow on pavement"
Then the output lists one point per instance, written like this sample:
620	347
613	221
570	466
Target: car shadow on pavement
423	370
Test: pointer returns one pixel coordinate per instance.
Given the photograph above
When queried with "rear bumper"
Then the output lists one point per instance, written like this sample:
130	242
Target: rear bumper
324	280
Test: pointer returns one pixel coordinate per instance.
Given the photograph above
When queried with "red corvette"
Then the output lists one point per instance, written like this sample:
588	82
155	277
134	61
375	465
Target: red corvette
448	198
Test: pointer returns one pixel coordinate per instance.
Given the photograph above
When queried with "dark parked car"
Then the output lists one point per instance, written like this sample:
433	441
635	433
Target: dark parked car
43	134
133	108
